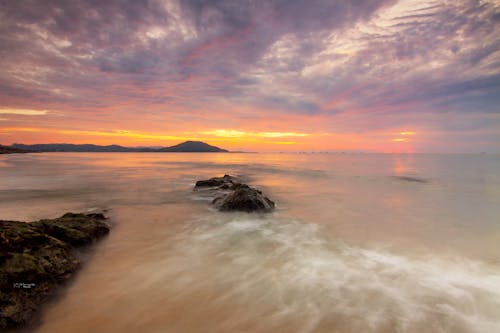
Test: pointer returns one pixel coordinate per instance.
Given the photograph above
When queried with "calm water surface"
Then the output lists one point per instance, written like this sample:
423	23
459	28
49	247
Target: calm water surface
358	242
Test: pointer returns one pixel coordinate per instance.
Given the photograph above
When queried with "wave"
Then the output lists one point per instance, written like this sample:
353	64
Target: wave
288	273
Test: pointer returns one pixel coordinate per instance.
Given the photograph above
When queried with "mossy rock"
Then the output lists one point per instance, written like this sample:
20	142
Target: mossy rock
35	257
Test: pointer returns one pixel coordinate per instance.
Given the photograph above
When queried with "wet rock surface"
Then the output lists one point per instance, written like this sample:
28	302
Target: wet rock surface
231	195
226	181
36	257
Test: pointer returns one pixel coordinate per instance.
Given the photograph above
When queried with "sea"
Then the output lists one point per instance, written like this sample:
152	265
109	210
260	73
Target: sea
358	242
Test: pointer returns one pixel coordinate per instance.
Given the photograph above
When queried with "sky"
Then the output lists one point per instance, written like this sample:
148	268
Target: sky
282	75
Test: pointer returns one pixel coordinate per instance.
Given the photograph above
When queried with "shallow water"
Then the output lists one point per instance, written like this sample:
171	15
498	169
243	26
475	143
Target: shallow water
358	242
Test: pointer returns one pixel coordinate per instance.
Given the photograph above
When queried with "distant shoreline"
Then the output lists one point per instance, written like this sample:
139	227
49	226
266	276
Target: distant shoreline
184	147
10	150
118	152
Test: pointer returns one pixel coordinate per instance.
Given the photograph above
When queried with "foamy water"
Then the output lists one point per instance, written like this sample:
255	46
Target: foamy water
358	243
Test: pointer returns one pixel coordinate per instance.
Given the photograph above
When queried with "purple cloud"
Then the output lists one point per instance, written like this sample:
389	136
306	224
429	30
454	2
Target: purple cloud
311	58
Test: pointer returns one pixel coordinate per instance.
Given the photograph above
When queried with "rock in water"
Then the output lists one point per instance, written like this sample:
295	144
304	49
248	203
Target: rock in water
35	257
241	197
226	181
244	199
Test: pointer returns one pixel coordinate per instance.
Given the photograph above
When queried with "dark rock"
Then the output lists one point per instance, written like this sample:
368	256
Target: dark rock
75	229
241	197
99	216
35	257
226	181
244	199
411	179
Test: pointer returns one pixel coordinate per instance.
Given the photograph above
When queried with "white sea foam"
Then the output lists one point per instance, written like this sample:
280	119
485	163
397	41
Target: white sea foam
297	275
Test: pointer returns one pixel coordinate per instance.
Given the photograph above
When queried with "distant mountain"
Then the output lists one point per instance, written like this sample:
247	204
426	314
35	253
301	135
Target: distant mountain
10	150
192	147
188	146
66	147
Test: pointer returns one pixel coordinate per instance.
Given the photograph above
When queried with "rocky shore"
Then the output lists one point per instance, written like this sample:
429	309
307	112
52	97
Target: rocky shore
38	256
232	195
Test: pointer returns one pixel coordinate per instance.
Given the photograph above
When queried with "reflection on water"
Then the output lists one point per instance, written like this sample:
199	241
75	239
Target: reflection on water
351	248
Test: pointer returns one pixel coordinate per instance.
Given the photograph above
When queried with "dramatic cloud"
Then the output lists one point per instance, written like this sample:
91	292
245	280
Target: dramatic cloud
346	74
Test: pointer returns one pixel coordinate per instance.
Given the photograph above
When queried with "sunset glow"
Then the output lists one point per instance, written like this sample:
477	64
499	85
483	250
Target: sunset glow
242	134
383	76
24	112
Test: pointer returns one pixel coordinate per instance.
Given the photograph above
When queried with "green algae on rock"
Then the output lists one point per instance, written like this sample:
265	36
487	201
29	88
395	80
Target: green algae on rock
36	257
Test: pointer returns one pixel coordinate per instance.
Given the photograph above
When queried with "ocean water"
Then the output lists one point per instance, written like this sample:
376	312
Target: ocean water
358	242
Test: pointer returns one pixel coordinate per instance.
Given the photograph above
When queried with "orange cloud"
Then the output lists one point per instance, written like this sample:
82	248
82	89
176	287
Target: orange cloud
24	112
240	134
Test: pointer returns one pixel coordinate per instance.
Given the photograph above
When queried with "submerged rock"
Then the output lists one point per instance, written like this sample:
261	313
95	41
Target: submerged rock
240	198
411	179
35	257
